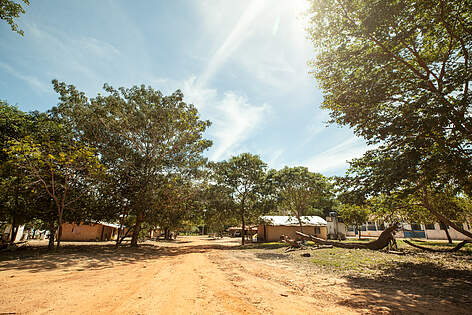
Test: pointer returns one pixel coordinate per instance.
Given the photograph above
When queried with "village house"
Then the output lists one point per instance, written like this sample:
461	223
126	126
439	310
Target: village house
273	227
100	231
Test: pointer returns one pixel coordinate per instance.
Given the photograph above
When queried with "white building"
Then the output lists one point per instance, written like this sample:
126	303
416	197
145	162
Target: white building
434	231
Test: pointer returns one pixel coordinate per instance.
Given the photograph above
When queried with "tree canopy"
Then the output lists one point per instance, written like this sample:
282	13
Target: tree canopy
245	178
398	73
300	192
142	136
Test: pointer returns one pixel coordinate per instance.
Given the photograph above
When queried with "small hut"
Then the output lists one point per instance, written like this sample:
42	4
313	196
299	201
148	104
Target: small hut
100	231
273	227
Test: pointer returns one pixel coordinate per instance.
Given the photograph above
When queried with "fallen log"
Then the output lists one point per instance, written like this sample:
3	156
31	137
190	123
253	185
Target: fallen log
385	239
450	250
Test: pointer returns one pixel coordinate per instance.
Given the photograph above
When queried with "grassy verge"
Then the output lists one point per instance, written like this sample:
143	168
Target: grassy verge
367	262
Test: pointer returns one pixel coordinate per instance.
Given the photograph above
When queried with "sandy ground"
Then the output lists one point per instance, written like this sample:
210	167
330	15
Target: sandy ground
194	275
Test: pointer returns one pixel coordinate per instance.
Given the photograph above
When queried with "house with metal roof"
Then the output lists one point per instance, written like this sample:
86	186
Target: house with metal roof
100	231
272	228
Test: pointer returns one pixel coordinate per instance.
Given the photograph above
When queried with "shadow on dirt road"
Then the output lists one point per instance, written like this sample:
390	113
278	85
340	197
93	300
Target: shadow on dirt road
97	256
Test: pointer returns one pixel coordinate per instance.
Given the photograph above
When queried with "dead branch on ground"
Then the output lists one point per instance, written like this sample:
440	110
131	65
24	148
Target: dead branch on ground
385	239
450	250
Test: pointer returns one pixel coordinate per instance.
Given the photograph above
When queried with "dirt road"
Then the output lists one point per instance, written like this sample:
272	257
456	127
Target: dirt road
191	276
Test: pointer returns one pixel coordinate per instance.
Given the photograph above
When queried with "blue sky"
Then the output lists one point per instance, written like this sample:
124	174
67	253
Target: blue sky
242	63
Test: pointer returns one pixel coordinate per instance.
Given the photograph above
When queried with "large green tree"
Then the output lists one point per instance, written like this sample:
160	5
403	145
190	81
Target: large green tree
56	167
411	208
300	191
175	202
354	215
14	191
51	170
141	135
399	72
219	208
244	176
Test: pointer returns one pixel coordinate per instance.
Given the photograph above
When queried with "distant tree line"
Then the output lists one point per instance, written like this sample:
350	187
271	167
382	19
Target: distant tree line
134	157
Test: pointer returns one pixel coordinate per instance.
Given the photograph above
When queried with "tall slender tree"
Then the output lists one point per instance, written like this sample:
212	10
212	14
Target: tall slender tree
244	176
299	190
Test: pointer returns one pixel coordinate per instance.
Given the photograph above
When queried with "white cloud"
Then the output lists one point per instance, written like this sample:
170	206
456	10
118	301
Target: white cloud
200	96
239	32
277	61
236	120
69	54
275	28
97	47
31	80
275	156
337	156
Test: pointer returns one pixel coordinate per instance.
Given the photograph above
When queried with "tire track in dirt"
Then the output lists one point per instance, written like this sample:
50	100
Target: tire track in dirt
277	290
195	278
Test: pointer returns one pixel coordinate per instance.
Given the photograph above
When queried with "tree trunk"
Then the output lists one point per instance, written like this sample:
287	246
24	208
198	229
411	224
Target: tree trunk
14	230
59	231
103	232
444	219
120	237
137	228
292	243
243	229
449	239
166	233
52	232
455	249
300	223
359	231
385	239
123	237
119	234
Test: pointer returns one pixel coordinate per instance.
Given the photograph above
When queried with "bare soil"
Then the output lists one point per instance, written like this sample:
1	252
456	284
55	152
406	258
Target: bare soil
198	275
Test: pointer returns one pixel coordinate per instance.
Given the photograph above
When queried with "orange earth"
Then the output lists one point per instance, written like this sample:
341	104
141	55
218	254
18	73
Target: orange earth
194	275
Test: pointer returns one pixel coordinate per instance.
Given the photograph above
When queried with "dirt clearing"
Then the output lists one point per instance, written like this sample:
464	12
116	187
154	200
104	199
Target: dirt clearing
194	275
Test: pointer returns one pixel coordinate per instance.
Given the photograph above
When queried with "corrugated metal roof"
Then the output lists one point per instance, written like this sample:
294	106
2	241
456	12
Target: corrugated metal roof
312	220
116	226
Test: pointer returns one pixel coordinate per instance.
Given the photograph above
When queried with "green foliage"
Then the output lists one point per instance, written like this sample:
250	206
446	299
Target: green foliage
399	208
398	72
14	193
9	10
219	207
175	203
301	192
244	178
144	139
55	167
354	214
